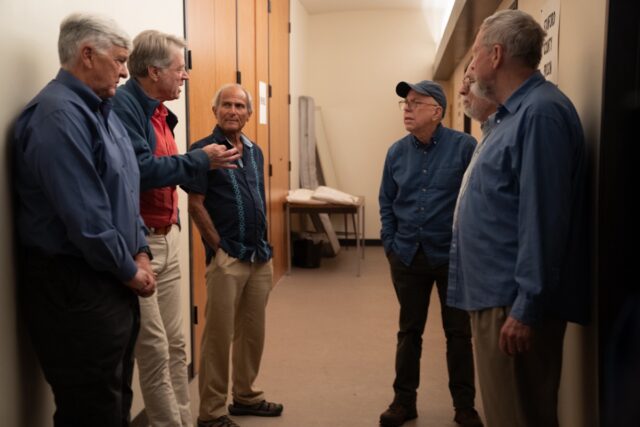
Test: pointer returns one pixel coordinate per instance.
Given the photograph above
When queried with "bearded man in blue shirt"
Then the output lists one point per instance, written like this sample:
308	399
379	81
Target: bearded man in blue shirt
84	255
519	254
420	184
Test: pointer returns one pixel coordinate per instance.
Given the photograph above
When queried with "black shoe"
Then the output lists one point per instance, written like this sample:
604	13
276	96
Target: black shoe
397	414
260	409
468	418
222	421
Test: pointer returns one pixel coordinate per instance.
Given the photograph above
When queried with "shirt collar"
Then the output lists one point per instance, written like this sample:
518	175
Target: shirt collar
147	103
512	103
93	101
434	138
220	138
160	111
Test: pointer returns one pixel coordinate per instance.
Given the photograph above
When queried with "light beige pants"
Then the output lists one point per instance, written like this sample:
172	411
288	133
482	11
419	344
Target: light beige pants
237	295
518	391
161	348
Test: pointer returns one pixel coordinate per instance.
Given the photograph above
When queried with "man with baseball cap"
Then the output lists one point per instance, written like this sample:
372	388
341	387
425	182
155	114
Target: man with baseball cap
420	184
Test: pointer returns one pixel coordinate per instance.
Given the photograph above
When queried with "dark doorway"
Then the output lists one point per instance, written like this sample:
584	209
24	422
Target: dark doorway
618	294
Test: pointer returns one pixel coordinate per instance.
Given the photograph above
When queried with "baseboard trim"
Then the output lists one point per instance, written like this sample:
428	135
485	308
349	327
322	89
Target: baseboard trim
367	242
140	420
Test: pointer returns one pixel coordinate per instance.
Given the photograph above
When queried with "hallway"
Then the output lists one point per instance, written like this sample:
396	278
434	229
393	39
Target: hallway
329	354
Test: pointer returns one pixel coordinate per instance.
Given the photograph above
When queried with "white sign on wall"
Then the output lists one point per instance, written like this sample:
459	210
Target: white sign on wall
262	110
550	21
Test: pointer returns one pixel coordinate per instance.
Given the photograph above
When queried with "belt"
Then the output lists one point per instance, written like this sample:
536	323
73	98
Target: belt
163	231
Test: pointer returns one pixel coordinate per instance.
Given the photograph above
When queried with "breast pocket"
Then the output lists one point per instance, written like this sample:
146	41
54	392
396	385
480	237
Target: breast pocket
448	178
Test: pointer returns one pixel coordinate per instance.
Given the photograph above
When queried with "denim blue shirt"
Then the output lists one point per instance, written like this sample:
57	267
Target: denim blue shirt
235	201
521	238
420	185
77	180
135	108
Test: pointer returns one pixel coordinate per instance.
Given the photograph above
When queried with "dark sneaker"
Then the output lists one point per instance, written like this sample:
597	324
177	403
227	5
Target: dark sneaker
468	418
260	409
222	421
397	414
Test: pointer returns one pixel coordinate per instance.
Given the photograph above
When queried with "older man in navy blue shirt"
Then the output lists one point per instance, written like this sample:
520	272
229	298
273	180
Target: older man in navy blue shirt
519	255
84	253
420	184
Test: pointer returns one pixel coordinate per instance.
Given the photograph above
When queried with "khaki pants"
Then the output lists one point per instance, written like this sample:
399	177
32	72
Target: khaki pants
237	295
519	391
161	348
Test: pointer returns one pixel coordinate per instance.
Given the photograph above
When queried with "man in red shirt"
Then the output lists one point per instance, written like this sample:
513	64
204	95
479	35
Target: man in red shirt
158	71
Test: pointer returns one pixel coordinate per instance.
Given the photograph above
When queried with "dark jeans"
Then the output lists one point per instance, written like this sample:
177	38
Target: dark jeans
83	325
413	287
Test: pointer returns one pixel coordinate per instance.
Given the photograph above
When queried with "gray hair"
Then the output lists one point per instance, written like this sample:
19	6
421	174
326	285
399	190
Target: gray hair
152	48
218	96
78	28
519	34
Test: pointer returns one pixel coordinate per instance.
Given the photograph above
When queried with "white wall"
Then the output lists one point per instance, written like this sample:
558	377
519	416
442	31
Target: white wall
29	52
353	62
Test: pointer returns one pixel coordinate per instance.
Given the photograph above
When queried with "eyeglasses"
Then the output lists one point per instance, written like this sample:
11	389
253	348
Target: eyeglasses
412	105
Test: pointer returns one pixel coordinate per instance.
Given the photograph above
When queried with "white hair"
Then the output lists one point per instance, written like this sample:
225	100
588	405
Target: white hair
79	28
218	96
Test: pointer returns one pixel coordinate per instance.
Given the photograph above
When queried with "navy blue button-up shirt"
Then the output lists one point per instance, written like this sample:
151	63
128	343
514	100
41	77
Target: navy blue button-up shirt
420	185
521	238
77	179
235	201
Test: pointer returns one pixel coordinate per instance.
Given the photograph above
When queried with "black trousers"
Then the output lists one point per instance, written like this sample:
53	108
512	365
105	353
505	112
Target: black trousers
83	325
413	287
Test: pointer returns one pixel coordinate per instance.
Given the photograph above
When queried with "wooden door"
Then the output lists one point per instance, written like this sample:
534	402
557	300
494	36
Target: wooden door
211	35
279	129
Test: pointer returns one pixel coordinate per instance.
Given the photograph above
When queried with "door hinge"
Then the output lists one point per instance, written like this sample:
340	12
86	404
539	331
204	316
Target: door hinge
194	313
269	6
289	165
269	91
270	169
238	77
289	98
189	63
289	27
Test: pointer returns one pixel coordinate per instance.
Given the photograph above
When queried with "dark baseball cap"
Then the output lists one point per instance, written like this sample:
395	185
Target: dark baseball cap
425	87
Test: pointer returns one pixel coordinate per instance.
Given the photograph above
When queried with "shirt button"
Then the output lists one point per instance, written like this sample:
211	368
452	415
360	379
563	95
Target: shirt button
421	209
424	171
424	189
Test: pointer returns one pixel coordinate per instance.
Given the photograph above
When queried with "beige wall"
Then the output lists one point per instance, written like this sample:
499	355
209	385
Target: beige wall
29	52
299	81
353	62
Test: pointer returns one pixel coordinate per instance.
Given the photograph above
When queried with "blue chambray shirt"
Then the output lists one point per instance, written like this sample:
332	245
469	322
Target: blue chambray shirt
420	184
522	237
235	201
77	179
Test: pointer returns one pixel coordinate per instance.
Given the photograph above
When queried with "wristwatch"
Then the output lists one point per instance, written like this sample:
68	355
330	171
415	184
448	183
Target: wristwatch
145	250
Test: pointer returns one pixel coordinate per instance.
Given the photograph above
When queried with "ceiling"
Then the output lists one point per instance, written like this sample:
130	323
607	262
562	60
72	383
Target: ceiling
330	6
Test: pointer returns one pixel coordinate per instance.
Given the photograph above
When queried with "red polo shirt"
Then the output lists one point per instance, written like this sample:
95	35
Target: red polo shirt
159	206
